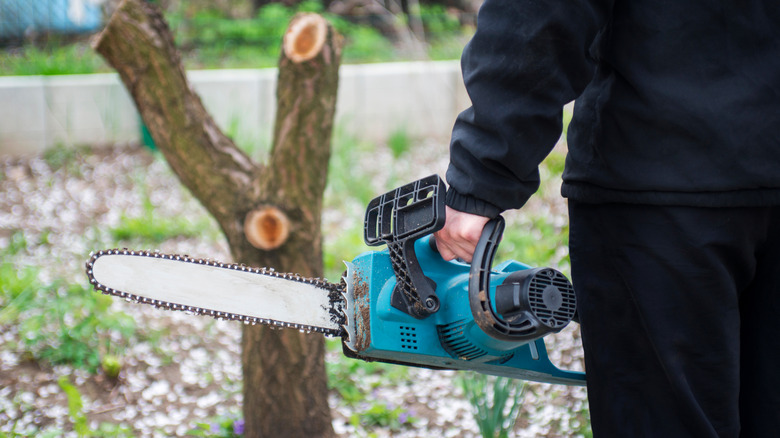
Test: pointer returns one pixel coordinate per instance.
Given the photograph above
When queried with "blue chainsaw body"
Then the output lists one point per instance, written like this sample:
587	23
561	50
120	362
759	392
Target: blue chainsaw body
446	326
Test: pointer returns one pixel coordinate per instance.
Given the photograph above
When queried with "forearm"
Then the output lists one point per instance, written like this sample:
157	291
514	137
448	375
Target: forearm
525	62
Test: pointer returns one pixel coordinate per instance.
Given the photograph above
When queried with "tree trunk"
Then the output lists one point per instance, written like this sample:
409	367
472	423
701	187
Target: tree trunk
286	364
270	215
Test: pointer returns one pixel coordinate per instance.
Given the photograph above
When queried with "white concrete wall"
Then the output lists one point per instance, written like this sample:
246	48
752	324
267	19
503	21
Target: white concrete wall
38	112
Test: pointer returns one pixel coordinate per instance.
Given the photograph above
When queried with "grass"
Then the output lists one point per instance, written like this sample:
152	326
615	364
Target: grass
60	322
495	400
535	240
65	158
224	426
53	59
399	142
151	228
78	417
18	289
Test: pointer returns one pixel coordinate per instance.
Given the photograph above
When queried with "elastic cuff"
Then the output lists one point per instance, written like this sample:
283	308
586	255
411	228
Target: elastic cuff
468	204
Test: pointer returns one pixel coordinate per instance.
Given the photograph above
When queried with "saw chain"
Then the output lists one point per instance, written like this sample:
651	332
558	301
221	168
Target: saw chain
335	291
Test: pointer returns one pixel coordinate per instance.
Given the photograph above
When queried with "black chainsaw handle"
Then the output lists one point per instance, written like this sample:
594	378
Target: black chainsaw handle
484	253
528	304
479	279
398	219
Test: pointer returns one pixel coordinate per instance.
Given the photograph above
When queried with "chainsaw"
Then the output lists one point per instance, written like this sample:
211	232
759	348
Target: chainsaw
402	305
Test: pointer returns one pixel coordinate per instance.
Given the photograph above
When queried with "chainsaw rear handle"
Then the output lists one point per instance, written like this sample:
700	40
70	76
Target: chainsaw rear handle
528	304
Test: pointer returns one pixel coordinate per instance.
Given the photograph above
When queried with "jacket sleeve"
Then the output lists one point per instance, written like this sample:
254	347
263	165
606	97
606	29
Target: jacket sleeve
527	59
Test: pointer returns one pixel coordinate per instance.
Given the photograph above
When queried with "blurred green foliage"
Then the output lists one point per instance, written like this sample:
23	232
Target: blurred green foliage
209	38
57	321
51	59
495	402
152	228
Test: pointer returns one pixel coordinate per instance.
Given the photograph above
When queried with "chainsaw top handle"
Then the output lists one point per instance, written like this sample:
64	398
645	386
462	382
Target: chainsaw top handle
399	218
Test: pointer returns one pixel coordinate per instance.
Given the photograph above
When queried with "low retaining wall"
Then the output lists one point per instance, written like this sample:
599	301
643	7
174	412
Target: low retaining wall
38	112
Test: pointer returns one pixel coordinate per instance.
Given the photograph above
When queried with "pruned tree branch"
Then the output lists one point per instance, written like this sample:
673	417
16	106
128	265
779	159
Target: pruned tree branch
270	214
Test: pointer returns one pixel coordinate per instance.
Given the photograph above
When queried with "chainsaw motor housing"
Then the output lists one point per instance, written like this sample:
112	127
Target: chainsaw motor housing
469	317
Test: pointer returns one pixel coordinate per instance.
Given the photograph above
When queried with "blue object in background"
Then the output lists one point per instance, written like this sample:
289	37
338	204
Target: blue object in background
21	17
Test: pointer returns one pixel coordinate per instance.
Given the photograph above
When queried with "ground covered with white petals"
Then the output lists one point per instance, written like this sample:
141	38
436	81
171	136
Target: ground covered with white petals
184	370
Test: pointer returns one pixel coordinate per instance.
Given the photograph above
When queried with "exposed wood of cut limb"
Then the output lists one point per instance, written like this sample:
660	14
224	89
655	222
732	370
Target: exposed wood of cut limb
270	214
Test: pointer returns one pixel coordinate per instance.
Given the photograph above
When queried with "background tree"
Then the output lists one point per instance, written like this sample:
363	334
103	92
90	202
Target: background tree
285	388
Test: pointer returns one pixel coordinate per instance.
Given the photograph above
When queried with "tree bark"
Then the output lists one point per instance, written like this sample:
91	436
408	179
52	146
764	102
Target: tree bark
285	387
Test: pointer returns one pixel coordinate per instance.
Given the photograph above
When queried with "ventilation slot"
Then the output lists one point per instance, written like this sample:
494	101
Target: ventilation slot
408	338
455	342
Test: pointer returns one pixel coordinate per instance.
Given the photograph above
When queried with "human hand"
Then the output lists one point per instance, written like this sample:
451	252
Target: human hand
459	237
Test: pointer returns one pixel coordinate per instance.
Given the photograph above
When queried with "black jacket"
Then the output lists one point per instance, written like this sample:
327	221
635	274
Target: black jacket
677	102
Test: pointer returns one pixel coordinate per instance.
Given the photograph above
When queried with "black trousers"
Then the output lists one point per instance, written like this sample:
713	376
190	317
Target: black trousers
680	317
